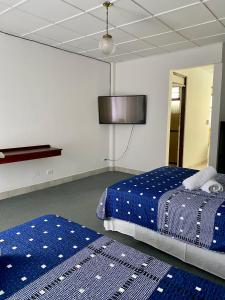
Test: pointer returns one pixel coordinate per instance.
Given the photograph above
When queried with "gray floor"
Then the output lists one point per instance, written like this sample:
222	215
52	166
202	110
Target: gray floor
78	200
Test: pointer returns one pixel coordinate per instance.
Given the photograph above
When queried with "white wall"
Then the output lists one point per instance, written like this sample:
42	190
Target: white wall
197	113
48	96
150	76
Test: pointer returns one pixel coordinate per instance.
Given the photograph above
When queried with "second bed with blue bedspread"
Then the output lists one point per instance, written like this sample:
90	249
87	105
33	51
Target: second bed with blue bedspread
53	258
158	201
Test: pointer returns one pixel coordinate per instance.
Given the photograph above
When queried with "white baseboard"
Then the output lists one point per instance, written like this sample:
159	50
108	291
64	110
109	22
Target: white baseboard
44	185
129	171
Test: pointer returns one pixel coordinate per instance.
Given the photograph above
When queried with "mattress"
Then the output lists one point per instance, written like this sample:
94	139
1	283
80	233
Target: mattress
206	260
157	200
54	258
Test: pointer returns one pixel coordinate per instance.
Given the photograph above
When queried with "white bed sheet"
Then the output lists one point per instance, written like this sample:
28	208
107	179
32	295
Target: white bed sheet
210	261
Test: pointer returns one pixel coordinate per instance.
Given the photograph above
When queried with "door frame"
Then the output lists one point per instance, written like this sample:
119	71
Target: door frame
182	118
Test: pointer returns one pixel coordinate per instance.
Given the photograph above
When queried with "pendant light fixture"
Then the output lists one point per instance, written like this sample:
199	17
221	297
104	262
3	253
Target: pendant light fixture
106	44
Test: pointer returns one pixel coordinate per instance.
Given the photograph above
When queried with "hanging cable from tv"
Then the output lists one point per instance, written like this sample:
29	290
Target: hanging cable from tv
126	149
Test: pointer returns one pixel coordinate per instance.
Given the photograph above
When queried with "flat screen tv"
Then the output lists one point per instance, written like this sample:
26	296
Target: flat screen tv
122	109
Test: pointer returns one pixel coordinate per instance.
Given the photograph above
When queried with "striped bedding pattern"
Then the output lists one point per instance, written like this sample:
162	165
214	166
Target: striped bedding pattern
157	200
54	258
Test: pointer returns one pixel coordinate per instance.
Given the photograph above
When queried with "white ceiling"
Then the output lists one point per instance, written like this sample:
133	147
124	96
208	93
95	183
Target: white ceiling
139	27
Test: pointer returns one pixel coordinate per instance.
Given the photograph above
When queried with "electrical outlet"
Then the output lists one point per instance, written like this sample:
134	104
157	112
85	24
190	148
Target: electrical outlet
49	172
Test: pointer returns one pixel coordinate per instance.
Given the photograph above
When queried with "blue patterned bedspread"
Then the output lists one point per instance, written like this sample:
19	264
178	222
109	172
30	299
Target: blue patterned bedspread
53	258
158	201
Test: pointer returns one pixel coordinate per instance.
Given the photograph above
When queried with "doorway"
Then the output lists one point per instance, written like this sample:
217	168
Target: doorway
190	117
177	117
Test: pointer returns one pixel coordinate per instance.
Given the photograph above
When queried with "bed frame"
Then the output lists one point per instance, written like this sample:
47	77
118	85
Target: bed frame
207	260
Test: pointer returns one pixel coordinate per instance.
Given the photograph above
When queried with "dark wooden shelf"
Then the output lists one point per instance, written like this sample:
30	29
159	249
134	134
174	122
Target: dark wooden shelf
28	153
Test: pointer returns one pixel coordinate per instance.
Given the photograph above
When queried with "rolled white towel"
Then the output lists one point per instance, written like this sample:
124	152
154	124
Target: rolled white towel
212	186
200	178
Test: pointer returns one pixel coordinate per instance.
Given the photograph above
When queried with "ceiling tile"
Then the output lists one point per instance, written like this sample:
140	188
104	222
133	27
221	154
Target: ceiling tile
211	40
58	33
107	59
118	35
69	48
130	46
160	6
3	7
52	10
35	14
165	39
203	30
84	24
86	4
11	2
188	16
85	43
18	22
94	53
122	12
178	46
41	39
150	52
122	58
146	28
217	6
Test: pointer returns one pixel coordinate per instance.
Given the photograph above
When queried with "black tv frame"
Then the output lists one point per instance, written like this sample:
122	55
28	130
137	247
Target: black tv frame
119	96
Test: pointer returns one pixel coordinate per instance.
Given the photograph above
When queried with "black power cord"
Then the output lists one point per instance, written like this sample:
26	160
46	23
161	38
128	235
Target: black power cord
126	149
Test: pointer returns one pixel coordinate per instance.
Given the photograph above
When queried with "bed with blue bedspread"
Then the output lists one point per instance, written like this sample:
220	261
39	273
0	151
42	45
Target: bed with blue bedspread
53	258
157	200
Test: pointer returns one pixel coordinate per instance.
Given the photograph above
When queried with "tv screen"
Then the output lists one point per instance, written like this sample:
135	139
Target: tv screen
122	109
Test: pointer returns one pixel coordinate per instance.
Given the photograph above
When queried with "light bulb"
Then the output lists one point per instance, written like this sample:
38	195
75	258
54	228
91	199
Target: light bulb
106	44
